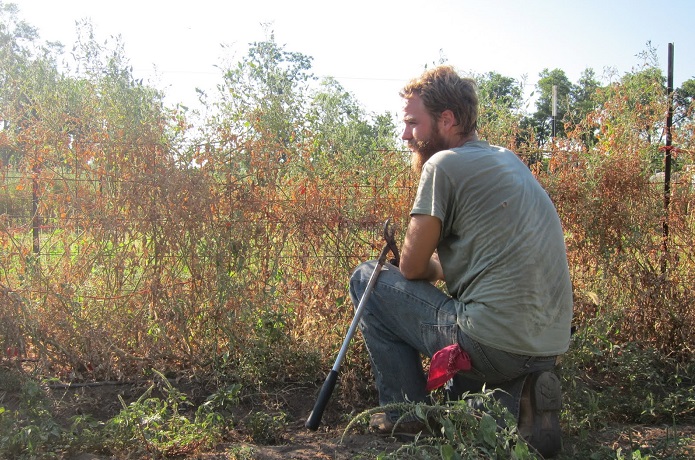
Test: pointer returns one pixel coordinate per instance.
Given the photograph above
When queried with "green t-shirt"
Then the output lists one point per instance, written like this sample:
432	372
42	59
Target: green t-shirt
502	248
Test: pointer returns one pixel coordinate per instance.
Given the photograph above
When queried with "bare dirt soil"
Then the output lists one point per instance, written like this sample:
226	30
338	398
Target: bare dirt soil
293	441
329	441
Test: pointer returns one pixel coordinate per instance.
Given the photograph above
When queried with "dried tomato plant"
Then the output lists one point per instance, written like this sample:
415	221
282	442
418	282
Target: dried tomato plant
135	236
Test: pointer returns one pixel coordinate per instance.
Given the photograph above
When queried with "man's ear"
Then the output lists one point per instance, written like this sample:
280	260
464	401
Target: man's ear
447	119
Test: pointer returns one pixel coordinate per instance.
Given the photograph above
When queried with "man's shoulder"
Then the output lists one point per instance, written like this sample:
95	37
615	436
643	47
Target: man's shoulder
482	146
468	151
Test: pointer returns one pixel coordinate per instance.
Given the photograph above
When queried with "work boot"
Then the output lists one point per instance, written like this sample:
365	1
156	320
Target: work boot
539	415
381	423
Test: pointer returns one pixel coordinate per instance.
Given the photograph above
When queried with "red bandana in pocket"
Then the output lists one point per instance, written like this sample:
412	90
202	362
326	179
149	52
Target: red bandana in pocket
445	364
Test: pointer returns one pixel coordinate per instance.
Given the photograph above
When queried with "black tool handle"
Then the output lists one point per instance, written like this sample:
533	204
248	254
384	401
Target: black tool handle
324	395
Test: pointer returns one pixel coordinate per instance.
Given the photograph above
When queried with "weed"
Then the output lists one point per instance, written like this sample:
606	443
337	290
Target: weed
165	426
30	431
463	432
241	452
267	352
267	429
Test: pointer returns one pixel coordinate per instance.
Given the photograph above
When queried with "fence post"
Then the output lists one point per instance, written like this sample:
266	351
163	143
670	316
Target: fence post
667	157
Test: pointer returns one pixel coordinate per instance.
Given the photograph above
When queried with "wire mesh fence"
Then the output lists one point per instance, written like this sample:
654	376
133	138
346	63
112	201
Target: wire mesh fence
171	266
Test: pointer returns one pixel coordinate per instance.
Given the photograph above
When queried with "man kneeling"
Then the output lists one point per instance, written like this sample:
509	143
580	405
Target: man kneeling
481	223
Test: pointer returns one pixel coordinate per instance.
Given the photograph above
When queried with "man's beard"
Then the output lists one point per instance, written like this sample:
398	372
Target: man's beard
423	150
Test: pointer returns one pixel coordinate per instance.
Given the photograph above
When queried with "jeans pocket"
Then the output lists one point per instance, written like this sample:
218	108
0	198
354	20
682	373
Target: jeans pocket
437	336
496	365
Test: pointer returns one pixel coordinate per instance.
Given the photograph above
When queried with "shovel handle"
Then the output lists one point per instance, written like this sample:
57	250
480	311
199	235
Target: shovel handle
324	395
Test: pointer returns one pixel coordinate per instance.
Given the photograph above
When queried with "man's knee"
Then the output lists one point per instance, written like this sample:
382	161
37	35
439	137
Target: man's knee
359	280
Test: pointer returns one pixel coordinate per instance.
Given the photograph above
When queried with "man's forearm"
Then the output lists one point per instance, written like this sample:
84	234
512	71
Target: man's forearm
419	260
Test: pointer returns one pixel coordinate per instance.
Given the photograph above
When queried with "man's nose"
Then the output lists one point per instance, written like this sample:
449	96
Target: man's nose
407	134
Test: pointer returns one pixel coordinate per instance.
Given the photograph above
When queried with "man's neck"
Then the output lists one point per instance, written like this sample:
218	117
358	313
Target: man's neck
472	137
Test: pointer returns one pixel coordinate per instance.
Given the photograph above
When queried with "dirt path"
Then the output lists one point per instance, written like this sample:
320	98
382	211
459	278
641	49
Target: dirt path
302	444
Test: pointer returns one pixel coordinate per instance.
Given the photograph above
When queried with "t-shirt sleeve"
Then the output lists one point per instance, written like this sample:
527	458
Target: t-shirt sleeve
433	192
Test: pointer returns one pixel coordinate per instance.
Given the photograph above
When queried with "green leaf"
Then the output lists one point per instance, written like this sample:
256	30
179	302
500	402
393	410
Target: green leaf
420	412
488	429
448	452
521	450
449	428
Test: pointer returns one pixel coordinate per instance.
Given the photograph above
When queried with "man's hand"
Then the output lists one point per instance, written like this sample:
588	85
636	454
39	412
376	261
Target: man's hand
418	259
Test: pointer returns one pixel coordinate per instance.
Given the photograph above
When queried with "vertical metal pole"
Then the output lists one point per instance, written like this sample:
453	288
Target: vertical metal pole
554	108
668	156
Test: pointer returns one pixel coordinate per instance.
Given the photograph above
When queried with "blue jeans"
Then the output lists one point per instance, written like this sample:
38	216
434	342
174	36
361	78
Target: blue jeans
404	319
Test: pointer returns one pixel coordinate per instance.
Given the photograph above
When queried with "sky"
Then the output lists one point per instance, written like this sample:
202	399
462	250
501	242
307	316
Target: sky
373	47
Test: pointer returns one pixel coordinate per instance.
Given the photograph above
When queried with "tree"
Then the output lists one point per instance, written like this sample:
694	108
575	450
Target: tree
683	100
25	66
629	117
684	116
505	91
542	119
266	88
582	103
646	96
583	92
501	99
270	104
343	136
685	95
573	103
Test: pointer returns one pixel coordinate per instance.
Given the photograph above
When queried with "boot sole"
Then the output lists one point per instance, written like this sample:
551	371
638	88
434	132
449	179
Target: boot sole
546	401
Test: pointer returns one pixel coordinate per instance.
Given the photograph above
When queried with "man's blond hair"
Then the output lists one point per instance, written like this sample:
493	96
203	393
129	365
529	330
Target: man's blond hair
440	89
